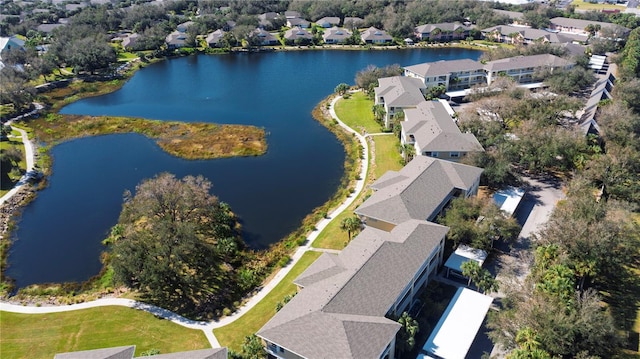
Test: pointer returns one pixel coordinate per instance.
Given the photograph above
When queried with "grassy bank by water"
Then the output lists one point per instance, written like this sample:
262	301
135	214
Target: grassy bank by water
43	335
181	139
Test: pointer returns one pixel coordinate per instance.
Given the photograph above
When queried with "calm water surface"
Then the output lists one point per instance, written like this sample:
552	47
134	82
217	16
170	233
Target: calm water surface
59	236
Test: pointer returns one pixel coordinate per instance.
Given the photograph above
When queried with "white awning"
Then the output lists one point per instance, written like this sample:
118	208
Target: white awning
457	328
508	199
465	254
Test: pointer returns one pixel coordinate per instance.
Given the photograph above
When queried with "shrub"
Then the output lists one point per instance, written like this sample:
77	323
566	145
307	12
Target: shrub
284	261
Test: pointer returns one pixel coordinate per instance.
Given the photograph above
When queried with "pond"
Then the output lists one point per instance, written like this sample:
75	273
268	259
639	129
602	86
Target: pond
60	233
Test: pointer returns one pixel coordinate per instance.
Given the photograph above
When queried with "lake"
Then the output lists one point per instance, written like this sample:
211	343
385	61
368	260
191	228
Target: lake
59	235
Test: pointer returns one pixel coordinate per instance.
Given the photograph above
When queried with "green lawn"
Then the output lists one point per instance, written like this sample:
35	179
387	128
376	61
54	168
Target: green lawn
232	335
388	156
8	179
356	113
43	335
585	5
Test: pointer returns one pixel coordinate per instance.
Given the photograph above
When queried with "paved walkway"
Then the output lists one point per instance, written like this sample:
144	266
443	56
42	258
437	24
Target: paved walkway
207	327
29	156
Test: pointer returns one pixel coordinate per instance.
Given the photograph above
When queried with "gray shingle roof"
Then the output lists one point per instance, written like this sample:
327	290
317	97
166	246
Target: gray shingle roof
125	352
418	190
441	68
373	34
297	33
336	34
444	26
582	24
340	312
216	353
535	34
434	130
520	62
400	91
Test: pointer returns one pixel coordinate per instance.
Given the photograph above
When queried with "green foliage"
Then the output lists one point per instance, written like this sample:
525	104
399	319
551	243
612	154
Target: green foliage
351	225
252	348
481	277
370	75
168	247
630	56
341	89
150	352
407	334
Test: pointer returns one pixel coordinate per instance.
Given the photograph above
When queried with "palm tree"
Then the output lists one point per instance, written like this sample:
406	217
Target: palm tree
350	225
407	334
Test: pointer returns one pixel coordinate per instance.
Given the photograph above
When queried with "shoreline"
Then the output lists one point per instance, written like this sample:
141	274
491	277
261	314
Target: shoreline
304	227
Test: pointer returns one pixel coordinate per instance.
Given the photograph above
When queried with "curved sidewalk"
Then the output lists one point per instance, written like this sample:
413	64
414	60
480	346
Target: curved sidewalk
208	327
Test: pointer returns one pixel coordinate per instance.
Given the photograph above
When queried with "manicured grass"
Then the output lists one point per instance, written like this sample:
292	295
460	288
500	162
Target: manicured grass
584	5
43	335
126	56
356	113
8	179
388	157
233	335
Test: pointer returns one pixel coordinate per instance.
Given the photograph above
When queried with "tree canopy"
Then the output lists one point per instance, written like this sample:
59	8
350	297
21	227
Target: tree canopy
177	244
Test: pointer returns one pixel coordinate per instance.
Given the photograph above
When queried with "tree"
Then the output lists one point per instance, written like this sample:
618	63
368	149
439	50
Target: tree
168	244
350	225
341	89
407	335
481	277
252	348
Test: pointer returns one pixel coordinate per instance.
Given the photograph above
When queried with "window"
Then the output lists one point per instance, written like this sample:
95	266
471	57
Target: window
434	154
454	154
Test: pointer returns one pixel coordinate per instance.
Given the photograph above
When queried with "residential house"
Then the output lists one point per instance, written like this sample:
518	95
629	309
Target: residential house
525	35
375	36
328	22
228	25
298	22
184	26
515	17
127	352
265	38
433	132
454	74
582	27
524	69
396	94
265	20
297	35
352	22
420	190
176	40
447	31
214	38
348	303
290	14
48	28
129	41
336	35
10	43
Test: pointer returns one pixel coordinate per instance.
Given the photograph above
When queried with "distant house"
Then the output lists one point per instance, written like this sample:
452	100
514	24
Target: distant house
453	75
290	14
375	36
328	22
396	94
525	35
265	38
265	20
420	190
10	43
176	40
336	35
433	132
48	28
447	31
214	38
516	18
298	22
297	35
127	352
184	26
348	303
129	41
523	69
352	22
581	27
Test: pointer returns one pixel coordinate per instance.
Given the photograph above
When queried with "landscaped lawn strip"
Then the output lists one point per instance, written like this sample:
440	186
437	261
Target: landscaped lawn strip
356	113
233	335
386	158
44	335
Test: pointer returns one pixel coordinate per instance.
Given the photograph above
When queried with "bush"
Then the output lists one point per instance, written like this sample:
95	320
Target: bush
284	261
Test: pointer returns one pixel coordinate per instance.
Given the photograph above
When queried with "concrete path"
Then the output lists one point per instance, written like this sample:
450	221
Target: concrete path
207	327
30	159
